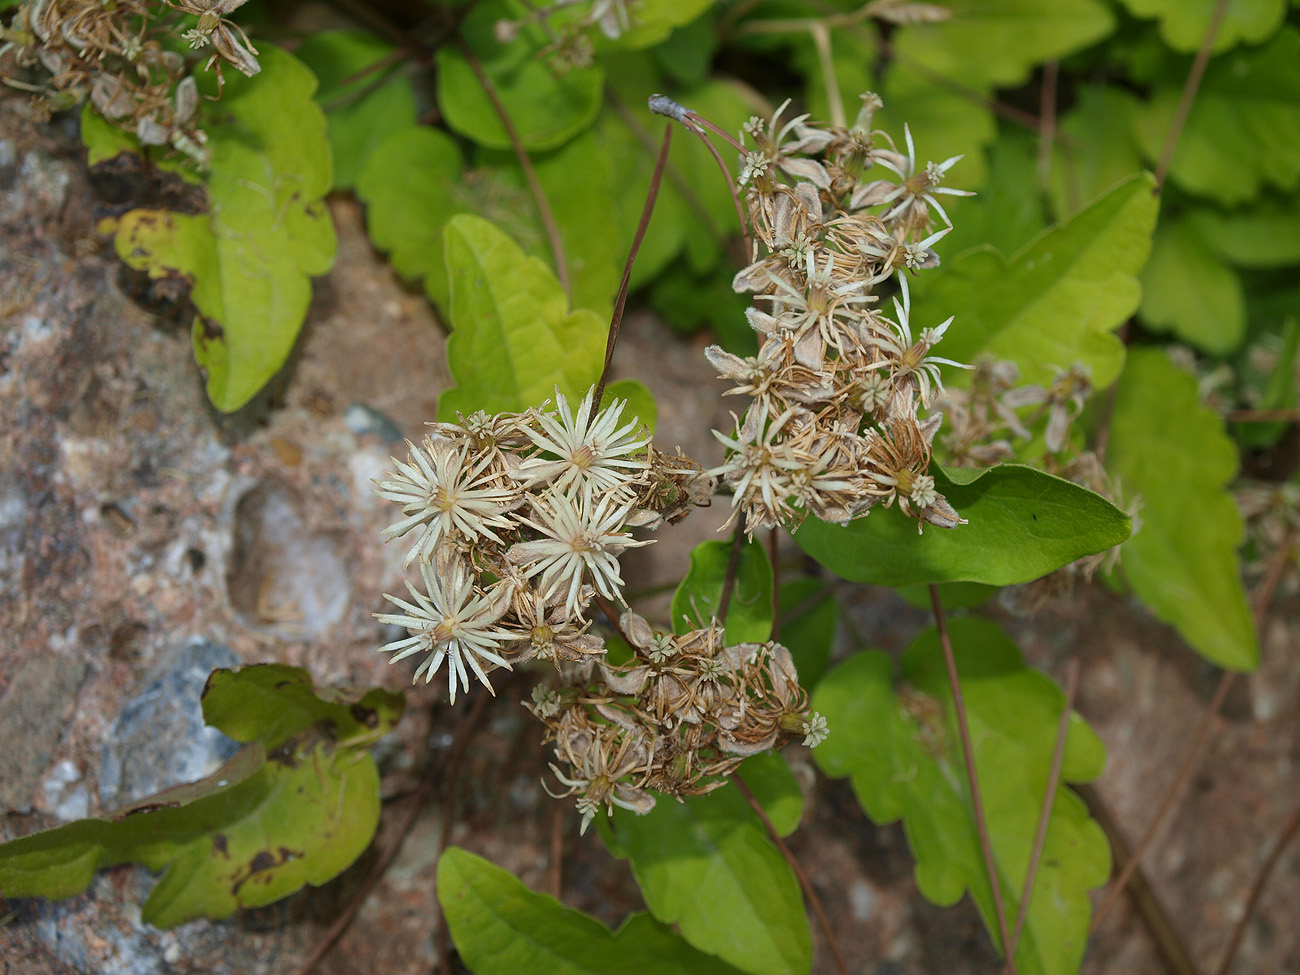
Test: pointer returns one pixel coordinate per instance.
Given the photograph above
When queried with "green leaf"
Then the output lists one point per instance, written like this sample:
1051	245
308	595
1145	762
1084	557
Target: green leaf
769	778
1184	23
296	806
1188	291
998	42
1264	235
707	865
409	187
250	258
899	742
272	702
1058	300
687	55
1243	131
546	107
363	113
513	339
1173	453
595	247
640	401
103	139
502	928
1023	524
1096	148
809	617
697	599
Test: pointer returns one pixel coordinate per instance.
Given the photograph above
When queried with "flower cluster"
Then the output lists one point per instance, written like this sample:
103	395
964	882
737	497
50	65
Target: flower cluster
833	425
518	521
675	720
121	56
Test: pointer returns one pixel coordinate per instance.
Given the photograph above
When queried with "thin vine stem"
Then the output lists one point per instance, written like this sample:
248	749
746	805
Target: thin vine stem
696	124
1263	597
733	566
1284	837
813	900
972	776
1190	88
526	164
1049	798
415	802
616	319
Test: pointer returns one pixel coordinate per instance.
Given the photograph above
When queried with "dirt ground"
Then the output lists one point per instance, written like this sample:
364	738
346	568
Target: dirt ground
144	540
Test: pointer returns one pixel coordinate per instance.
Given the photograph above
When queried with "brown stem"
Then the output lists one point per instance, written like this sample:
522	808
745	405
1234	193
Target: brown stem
1189	94
772	540
442	940
1167	804
1170	947
1045	816
1289	830
526	164
813	900
416	802
1047	125
733	565
1264	416
696	124
972	777
678	181
616	320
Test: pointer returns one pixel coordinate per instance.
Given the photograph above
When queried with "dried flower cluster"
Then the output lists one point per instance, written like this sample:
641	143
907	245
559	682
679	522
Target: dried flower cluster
518	521
833	424
125	56
676	720
983	420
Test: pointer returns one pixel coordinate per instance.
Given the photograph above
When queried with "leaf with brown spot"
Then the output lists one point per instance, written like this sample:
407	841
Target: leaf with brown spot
264	233
254	831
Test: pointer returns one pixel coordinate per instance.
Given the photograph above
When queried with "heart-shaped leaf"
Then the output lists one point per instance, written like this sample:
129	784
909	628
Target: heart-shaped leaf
898	741
1023	524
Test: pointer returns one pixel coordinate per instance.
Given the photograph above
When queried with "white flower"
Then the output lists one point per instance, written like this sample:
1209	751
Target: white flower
759	471
592	452
917	192
814	730
904	358
440	491
449	622
581	536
